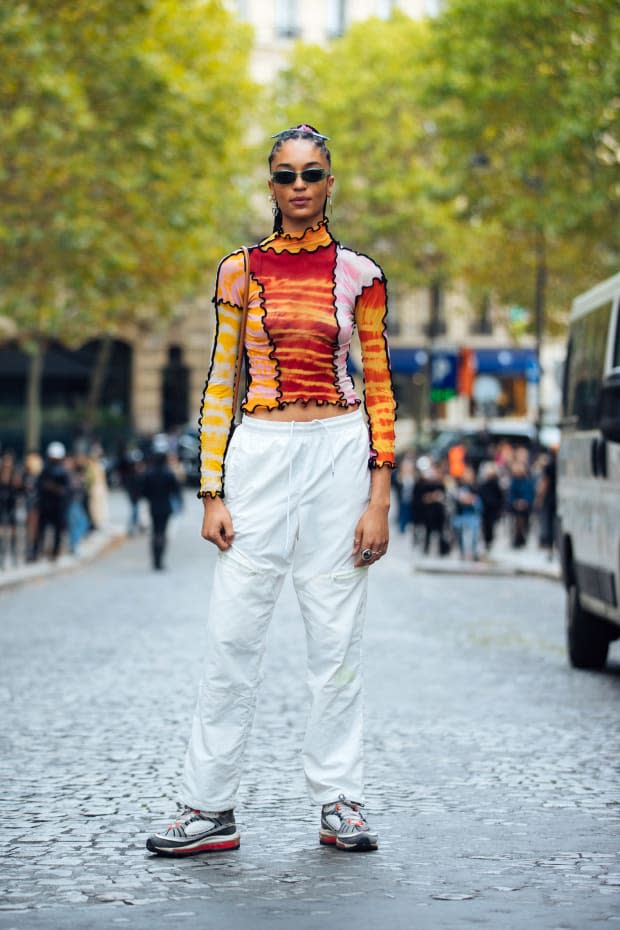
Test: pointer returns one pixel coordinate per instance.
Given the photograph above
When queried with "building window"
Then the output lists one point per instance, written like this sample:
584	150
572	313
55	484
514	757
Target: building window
242	9
336	17
433	7
287	19
385	8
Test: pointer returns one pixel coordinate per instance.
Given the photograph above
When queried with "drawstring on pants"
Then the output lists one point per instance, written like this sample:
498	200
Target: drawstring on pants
322	424
329	443
290	484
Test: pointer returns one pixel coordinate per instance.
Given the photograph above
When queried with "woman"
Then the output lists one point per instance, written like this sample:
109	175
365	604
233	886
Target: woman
491	501
302	483
466	519
9	491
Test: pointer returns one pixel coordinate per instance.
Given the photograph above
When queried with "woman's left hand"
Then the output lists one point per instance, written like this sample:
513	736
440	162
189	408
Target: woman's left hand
371	535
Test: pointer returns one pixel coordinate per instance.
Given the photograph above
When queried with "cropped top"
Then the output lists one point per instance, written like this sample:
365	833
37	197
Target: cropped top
307	295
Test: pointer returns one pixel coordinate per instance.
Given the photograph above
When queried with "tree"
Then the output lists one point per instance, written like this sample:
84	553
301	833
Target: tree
121	127
525	98
364	91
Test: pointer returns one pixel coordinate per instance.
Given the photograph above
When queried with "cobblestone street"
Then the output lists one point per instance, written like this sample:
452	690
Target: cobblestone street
492	767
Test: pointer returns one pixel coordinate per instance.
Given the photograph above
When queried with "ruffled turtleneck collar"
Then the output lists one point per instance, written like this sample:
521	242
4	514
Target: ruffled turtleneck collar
313	238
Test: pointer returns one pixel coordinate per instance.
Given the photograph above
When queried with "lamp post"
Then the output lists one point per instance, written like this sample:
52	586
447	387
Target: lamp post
536	183
539	310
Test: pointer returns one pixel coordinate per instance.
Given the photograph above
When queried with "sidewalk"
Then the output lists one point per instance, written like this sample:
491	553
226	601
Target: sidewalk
91	547
502	560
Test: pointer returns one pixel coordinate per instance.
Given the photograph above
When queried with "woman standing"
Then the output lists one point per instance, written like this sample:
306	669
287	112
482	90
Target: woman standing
303	484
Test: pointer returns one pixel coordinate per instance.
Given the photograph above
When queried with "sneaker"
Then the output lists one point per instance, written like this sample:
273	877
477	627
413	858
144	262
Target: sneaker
196	832
344	825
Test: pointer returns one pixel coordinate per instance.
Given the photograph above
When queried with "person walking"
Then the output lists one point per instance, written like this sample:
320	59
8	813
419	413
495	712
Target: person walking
433	495
491	500
53	498
303	483
466	519
545	502
10	488
521	493
405	481
162	490
32	468
77	518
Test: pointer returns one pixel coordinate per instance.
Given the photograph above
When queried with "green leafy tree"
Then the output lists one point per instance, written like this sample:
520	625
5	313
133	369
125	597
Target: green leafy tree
525	97
364	92
121	128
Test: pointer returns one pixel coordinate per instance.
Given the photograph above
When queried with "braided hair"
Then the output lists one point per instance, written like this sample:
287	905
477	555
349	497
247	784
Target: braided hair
303	131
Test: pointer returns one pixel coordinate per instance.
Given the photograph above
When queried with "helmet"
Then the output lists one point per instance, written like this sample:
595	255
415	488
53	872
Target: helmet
161	445
56	450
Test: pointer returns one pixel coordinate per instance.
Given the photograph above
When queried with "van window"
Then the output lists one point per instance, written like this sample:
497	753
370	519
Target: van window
616	356
585	366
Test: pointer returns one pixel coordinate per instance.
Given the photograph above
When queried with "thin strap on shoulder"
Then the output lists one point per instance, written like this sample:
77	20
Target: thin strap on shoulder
242	328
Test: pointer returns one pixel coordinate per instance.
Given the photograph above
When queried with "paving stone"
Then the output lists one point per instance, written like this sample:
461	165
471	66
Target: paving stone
491	766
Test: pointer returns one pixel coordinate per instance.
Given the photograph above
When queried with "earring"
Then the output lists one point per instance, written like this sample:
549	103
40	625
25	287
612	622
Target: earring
274	206
330	209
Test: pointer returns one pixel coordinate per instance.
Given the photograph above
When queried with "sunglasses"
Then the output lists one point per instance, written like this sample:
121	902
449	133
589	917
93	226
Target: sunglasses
309	175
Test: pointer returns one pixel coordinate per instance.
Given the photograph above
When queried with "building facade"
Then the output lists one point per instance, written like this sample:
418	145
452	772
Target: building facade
278	24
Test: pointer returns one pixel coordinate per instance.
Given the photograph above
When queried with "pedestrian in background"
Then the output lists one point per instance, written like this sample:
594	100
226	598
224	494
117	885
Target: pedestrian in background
161	489
53	499
492	502
432	495
131	471
405	481
97	487
545	503
32	468
77	518
466	519
10	485
307	486
520	500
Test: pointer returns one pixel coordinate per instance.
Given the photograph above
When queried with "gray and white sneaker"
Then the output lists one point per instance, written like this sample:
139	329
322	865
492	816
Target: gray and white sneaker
344	825
196	832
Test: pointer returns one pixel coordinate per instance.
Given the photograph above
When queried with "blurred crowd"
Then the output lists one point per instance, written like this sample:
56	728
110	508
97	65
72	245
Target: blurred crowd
50	503
459	504
47	503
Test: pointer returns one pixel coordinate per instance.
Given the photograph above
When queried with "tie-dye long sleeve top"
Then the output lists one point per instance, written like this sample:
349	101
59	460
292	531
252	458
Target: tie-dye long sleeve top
307	295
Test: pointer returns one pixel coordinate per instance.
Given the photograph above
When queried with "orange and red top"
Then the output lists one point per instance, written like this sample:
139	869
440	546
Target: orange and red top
307	296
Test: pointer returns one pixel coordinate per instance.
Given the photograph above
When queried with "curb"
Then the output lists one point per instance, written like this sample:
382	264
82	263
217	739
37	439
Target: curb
99	543
494	567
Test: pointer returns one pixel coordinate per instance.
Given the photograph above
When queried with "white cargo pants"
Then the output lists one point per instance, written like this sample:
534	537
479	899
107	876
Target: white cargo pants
295	492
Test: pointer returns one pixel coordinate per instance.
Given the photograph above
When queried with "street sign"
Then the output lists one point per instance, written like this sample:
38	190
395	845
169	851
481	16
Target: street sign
444	367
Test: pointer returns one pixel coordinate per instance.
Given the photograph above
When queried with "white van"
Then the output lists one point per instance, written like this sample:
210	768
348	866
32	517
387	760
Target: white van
589	475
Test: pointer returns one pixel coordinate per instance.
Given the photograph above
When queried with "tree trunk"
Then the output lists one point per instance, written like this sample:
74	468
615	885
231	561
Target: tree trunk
97	379
32	432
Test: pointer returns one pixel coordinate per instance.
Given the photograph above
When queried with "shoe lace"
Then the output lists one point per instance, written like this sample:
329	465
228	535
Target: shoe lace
350	811
187	815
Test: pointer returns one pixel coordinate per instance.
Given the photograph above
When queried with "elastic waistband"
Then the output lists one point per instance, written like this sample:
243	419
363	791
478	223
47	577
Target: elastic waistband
342	422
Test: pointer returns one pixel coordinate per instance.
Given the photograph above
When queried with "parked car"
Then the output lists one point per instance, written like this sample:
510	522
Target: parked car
477	440
589	475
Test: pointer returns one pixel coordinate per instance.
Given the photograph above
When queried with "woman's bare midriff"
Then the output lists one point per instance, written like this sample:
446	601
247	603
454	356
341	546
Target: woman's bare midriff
301	412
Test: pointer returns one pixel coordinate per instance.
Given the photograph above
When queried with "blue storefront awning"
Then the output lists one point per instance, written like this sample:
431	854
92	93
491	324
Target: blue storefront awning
511	362
404	360
407	361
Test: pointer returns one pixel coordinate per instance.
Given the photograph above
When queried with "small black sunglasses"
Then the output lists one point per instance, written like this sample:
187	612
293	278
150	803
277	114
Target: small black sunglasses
309	175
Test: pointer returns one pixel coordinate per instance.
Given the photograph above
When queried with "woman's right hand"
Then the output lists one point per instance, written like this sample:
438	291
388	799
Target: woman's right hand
217	523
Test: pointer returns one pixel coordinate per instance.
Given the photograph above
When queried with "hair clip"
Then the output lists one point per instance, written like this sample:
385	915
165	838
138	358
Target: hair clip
303	128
